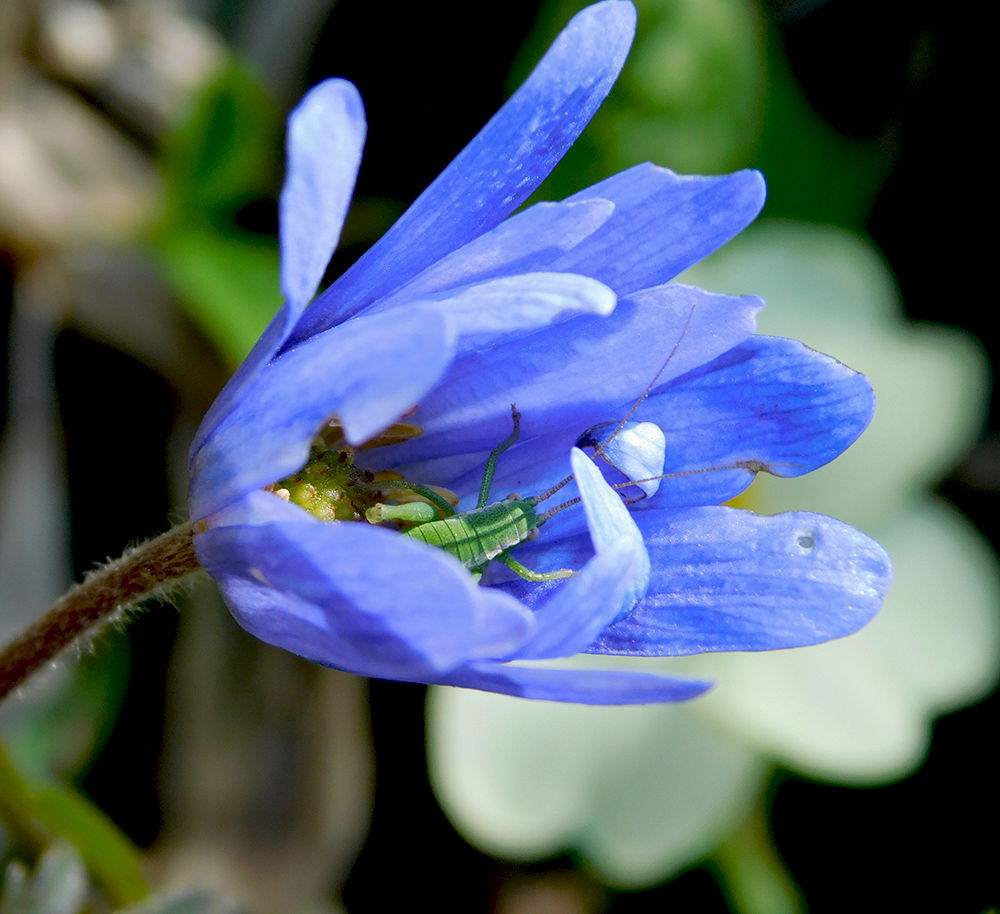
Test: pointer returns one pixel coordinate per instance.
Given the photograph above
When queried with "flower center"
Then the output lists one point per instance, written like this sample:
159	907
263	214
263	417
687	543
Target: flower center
333	488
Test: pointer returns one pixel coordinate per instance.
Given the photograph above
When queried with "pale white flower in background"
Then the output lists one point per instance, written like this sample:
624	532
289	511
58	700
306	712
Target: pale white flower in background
641	792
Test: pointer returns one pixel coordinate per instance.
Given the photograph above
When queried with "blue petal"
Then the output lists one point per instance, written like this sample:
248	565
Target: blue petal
326	134
729	580
263	351
604	589
499	168
769	403
524	243
497	307
584	606
579	372
359	598
367	372
662	224
636	451
610	523
590	687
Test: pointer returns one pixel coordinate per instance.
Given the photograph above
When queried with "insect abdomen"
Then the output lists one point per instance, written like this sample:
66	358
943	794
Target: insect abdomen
481	534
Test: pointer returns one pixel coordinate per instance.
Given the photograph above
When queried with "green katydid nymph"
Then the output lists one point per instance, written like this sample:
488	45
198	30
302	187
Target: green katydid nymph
333	488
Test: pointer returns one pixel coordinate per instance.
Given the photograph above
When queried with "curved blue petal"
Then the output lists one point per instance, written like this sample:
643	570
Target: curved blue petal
634	449
589	687
524	243
729	580
769	404
261	506
662	224
483	312
499	168
367	372
359	598
583	606
326	134
610	523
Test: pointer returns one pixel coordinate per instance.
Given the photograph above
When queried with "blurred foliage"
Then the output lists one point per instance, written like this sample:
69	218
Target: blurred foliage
59	885
60	732
34	813
220	160
708	89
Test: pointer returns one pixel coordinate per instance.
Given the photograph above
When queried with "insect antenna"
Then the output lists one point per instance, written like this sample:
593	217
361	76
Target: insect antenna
752	466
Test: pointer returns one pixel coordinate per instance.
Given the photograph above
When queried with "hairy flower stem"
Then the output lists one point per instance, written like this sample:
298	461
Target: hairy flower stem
150	569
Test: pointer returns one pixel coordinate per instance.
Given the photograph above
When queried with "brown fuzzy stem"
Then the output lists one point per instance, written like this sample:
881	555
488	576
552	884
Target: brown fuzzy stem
145	571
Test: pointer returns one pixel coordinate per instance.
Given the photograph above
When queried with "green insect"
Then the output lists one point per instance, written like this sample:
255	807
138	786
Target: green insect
486	533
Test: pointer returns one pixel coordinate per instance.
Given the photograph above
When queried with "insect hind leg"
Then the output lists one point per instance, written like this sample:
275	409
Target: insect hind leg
533	576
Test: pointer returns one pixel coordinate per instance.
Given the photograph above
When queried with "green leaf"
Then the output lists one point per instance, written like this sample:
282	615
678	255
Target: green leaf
57	734
707	89
225	155
753	874
110	857
225	152
229	283
691	95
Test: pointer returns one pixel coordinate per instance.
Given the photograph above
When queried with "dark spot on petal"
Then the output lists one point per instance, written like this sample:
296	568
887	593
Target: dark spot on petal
807	540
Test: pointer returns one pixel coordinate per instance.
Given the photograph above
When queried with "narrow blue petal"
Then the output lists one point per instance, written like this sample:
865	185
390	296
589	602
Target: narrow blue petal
359	598
634	449
326	134
611	524
769	403
589	687
524	243
729	580
583	606
482	312
662	224
499	168
367	372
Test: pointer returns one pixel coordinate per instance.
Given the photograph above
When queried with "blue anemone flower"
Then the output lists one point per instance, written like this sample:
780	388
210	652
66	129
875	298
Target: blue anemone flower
565	309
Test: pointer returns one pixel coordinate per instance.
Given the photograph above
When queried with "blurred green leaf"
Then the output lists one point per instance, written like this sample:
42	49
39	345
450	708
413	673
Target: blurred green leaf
229	283
225	153
707	89
814	173
110	857
691	95
16	801
58	734
753	874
